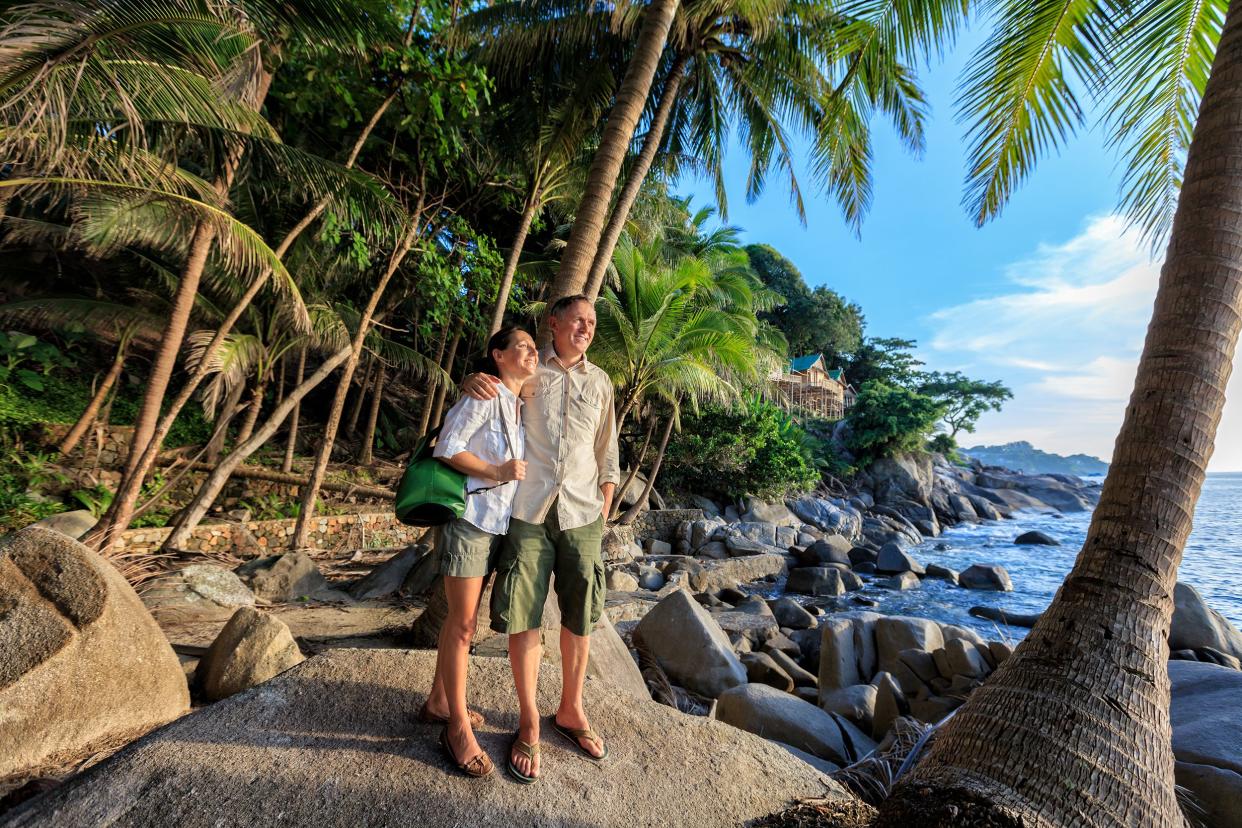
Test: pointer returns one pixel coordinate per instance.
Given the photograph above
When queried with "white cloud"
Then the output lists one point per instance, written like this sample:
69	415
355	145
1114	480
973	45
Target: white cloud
1065	336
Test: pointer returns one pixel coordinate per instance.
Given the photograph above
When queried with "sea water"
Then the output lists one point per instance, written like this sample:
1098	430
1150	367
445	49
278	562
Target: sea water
1212	562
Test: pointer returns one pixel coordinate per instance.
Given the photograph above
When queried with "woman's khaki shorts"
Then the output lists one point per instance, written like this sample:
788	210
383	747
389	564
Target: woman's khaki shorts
466	551
530	556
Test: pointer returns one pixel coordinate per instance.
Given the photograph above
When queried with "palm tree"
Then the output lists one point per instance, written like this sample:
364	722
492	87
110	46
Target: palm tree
1085	697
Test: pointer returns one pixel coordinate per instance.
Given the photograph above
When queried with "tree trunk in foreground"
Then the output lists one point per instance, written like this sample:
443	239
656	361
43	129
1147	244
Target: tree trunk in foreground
351	427
629	478
437	410
227	409
87	419
429	397
207	493
632	513
301	531
606	166
533	203
638	173
256	405
1073	729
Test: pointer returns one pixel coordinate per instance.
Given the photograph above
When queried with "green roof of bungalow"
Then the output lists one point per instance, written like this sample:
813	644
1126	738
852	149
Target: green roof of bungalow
804	363
835	373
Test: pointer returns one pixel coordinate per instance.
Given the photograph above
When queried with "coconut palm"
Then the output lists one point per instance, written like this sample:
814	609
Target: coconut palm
1086	694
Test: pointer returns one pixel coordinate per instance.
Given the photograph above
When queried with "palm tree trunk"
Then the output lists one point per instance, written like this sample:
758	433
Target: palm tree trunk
629	478
442	390
533	203
351	427
256	403
638	173
291	441
216	444
377	396
429	399
207	493
117	518
1073	729
301	532
84	422
606	166
640	504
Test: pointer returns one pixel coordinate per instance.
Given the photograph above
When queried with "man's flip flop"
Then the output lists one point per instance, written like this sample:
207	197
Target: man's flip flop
573	734
530	751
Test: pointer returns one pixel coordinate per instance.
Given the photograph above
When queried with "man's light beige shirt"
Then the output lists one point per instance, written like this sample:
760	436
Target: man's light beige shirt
571	442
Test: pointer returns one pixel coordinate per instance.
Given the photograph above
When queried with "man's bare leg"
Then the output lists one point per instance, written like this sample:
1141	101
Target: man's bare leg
524	654
575	650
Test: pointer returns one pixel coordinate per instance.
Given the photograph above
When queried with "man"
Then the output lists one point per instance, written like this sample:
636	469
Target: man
557	525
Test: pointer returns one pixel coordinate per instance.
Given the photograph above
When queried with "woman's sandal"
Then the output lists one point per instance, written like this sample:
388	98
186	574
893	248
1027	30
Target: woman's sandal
529	751
427	717
477	767
573	734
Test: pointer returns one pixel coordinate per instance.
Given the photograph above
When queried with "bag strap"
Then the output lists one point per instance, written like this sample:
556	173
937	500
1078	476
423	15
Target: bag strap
508	445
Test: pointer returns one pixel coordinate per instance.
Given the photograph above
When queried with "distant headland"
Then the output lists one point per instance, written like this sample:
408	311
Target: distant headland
1022	456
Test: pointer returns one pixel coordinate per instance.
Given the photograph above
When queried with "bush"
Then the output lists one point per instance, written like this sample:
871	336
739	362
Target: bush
728	453
888	419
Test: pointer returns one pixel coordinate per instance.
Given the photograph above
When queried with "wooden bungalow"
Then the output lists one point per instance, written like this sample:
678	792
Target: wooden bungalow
808	388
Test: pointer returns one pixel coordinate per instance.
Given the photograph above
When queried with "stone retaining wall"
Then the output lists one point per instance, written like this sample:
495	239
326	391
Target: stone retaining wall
362	531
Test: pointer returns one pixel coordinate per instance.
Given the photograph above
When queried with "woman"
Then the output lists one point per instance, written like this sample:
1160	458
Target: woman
484	440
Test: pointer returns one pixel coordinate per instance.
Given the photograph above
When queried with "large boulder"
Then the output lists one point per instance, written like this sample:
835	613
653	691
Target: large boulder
1036	538
331	743
1197	626
75	524
198	586
1207	740
835	517
82	662
832	549
789	613
609	659
892	559
777	513
389	577
904	476
252	648
758	708
292	576
896	633
690	646
816	580
986	576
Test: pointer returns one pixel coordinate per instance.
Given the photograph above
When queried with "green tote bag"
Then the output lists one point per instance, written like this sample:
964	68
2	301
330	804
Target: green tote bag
431	492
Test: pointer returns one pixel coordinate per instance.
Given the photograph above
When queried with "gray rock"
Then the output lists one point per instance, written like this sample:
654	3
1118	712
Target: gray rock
893	560
863	555
964	659
838	662
705	531
896	633
821	765
755	605
782	643
75	524
766	711
388	577
835	518
789	613
761	668
1036	538
737	544
805	539
364	699
933	708
775	513
282	578
1000	652
851	581
801	677
943	573
786	537
902	581
252	648
986	576
1197	626
1205	711
690	646
713	550
816	580
890	702
621	581
199	584
709	507
856	703
757	531
831	549
655	546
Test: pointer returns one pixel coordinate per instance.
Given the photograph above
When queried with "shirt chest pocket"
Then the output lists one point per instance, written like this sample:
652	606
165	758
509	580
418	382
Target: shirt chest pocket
496	439
585	407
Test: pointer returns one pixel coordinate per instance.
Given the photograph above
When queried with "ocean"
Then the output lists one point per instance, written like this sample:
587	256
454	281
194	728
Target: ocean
1212	562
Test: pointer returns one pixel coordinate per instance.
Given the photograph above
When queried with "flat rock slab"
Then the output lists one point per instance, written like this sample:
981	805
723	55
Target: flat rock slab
332	742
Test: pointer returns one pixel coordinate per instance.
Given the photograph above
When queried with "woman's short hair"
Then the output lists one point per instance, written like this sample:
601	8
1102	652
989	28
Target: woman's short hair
499	341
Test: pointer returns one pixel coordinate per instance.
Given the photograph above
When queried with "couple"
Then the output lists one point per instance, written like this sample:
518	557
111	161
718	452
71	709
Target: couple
536	435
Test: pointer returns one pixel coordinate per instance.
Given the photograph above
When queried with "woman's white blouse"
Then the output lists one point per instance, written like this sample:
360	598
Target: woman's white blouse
480	427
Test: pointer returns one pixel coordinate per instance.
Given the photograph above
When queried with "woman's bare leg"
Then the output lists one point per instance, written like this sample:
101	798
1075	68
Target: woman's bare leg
524	654
453	660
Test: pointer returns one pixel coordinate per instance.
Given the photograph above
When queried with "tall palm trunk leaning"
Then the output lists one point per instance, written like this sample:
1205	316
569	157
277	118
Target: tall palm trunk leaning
641	502
301	531
633	472
437	409
291	439
638	172
118	516
533	202
429	398
368	438
351	427
106	385
197	508
1073	729
584	238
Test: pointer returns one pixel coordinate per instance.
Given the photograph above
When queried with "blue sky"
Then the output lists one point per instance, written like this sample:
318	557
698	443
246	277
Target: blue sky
1052	297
